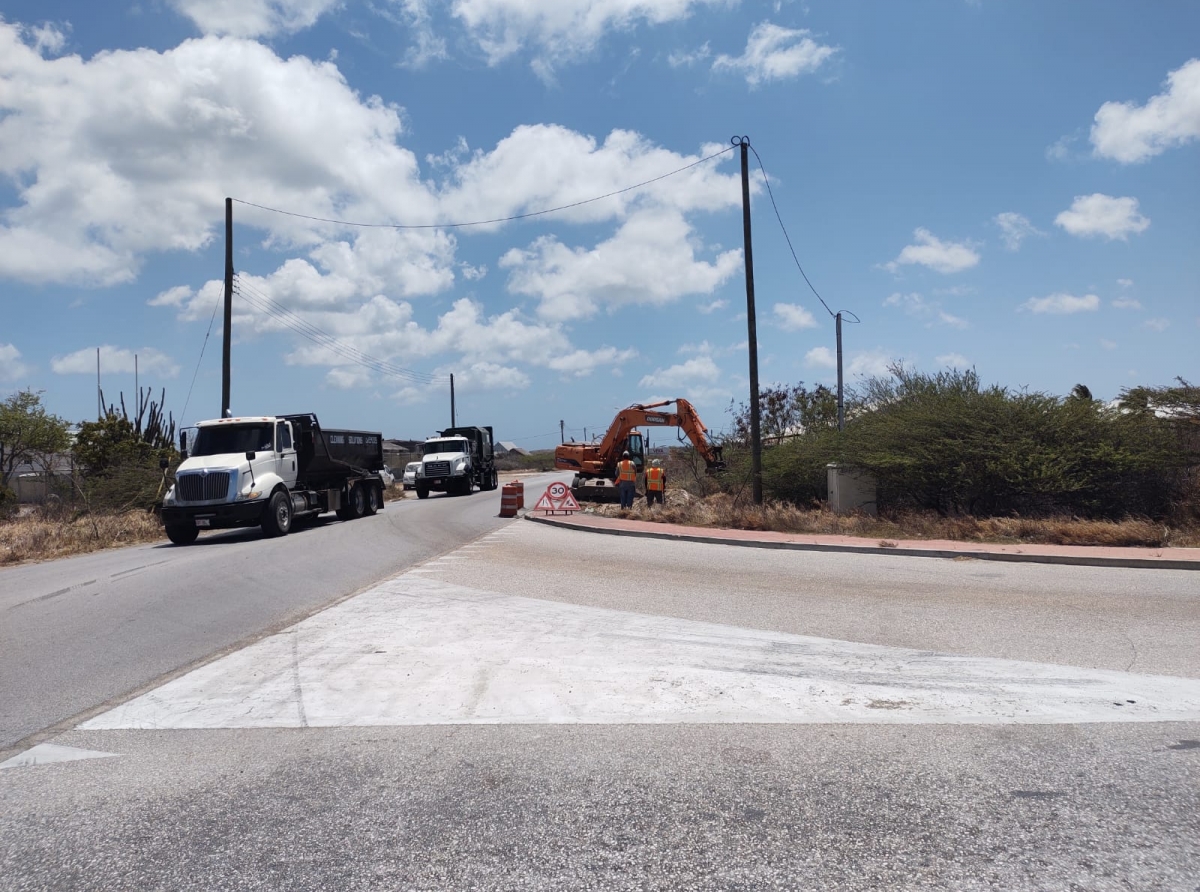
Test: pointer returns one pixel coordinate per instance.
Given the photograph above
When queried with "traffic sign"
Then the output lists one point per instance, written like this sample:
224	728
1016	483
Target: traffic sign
557	497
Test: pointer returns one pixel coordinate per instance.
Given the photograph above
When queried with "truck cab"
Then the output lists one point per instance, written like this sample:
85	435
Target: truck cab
456	461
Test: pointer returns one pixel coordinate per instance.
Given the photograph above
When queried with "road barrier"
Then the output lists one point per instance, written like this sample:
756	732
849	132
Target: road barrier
510	499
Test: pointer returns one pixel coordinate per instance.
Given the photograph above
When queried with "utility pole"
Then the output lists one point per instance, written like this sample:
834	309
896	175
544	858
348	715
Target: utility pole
452	424
752	329
138	388
841	411
562	437
99	398
227	341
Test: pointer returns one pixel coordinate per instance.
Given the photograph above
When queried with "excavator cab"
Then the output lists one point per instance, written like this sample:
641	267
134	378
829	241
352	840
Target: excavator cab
636	448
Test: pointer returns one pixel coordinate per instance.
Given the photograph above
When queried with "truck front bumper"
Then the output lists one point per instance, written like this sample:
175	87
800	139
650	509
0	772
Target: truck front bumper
215	517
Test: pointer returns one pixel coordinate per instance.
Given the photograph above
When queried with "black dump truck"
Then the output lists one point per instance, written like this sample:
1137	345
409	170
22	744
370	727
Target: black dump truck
269	471
456	461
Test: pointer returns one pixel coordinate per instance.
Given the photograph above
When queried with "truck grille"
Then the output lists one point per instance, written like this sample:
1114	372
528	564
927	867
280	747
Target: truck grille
203	487
437	469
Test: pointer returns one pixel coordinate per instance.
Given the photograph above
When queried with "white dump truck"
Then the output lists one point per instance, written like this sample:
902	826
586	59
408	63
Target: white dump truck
269	471
456	461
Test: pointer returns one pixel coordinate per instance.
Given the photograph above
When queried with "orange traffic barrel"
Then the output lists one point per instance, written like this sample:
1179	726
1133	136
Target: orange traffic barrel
520	488
509	500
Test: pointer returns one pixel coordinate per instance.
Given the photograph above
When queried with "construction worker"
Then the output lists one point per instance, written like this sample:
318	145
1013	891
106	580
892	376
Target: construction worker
656	483
626	480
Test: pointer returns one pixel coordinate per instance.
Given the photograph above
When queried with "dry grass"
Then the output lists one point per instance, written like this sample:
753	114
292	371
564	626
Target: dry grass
38	537
722	511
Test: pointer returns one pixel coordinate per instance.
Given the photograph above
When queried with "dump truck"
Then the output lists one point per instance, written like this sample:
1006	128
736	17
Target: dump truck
456	461
595	464
271	471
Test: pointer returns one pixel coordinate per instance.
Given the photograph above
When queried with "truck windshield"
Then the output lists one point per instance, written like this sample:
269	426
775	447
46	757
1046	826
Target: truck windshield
232	438
433	446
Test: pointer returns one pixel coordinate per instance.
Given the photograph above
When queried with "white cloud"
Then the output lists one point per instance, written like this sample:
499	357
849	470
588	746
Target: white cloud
793	317
253	18
1125	283
930	251
1107	344
775	53
629	268
1157	324
917	306
118	360
558	30
485	375
1060	149
582	363
953	361
871	364
178	296
1127	303
820	357
680	59
1131	133
11	367
713	306
1062	304
698	371
1014	229
1102	215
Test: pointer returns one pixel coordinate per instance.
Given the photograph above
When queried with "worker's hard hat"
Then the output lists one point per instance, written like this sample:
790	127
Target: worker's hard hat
625	454
657	463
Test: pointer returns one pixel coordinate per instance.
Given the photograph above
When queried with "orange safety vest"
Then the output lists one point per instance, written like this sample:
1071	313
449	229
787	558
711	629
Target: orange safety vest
654	478
627	471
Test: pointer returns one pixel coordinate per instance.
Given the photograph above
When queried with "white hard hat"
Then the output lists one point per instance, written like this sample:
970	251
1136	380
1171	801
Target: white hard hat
657	463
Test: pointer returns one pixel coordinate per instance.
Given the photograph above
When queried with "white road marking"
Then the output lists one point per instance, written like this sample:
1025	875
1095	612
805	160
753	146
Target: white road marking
46	753
416	650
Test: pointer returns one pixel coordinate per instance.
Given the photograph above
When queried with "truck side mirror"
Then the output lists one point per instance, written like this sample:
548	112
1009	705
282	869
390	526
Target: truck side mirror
183	444
250	453
163	464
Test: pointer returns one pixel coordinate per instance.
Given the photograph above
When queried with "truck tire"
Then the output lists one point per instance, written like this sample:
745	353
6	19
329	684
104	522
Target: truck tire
374	497
356	505
422	492
493	481
182	535
277	518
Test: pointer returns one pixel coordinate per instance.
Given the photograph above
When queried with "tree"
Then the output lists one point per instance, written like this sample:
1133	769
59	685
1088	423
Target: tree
120	455
787	412
28	433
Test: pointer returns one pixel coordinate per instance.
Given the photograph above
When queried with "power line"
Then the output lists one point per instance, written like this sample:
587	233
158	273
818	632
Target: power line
216	307
767	182
541	213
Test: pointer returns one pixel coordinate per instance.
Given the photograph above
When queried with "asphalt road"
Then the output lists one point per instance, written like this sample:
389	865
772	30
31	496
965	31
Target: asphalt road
78	633
462	755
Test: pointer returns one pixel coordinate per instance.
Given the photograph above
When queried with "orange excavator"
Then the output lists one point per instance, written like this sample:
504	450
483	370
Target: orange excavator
595	464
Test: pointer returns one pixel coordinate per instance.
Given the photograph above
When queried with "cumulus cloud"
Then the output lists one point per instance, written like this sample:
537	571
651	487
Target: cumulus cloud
253	18
775	53
575	283
1131	133
1127	303
11	367
917	306
1062	304
793	317
1157	324
558	30
115	359
1102	215
820	357
1014	229
932	252
697	371
713	306
871	364
953	361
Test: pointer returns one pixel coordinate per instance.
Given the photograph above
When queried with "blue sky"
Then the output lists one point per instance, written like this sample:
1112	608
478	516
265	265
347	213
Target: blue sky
1009	186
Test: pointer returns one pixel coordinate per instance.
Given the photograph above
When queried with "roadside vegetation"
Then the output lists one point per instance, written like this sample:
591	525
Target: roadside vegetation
956	460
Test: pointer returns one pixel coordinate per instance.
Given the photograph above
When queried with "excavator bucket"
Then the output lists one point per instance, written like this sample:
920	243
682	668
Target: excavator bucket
598	490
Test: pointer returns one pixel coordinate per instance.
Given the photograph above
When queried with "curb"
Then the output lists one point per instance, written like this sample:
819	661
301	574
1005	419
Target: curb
1081	560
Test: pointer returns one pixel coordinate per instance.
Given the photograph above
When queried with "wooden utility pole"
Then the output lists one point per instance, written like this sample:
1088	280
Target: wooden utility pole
452	424
841	410
752	329
226	341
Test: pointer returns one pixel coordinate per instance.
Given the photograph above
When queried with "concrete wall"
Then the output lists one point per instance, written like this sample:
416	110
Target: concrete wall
851	490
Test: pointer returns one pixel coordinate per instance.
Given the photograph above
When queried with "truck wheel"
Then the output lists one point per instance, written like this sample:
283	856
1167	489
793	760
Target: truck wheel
422	492
374	499
358	502
495	481
182	535
277	519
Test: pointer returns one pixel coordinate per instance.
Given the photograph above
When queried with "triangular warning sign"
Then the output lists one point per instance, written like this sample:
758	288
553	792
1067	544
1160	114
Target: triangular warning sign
557	497
569	503
544	503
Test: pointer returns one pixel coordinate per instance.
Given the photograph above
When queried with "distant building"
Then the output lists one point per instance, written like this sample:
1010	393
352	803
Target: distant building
508	447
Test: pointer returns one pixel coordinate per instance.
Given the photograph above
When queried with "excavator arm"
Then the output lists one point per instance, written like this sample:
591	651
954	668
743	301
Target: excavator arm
684	417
